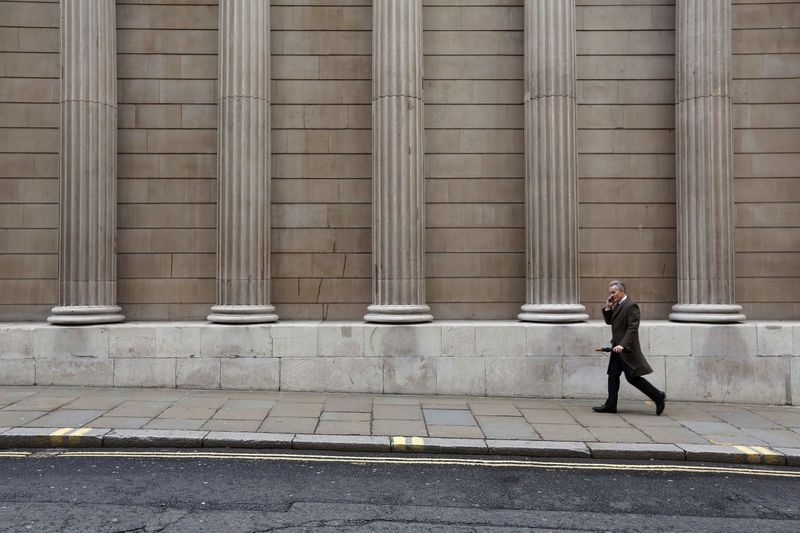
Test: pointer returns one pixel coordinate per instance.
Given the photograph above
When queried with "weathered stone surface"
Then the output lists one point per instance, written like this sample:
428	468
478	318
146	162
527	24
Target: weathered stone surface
409	375
344	443
250	373
642	451
153	438
81	372
198	373
503	339
235	341
332	374
539	377
232	439
461	375
667	338
565	339
403	340
730	454
294	339
150	372
728	379
341	339
534	448
66	342
458	339
18	372
16	342
775	339
132	341
733	340
179	340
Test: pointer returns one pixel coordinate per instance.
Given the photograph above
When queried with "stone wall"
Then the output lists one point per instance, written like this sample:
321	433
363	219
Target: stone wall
750	363
321	70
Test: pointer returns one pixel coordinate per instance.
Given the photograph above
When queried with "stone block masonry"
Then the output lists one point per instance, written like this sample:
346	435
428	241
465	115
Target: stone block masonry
753	363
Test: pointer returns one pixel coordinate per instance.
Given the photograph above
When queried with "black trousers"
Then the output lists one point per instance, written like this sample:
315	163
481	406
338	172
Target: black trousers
616	366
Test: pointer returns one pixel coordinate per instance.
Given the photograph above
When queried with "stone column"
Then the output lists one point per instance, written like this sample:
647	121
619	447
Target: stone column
398	205
243	163
87	267
551	199
704	163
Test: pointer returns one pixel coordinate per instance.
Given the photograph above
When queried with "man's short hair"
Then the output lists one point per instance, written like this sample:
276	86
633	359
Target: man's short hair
618	284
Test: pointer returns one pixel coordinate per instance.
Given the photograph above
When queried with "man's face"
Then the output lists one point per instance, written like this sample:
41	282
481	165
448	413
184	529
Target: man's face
614	294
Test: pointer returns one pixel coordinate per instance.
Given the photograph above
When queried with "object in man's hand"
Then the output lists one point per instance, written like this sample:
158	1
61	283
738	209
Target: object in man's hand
609	349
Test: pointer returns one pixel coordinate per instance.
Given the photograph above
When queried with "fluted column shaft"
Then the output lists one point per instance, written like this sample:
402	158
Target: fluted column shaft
87	291
551	202
398	221
704	163
243	162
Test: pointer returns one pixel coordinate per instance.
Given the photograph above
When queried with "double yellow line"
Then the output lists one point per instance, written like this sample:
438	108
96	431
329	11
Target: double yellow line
438	461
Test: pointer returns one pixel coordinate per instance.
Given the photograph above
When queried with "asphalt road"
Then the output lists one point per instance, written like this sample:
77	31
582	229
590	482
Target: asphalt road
151	490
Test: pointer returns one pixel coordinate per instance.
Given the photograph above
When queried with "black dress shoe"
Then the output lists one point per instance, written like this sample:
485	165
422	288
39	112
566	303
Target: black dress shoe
661	403
604	409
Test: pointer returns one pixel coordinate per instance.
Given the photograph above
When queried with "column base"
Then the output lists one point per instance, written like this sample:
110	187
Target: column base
398	314
78	315
242	314
707	313
553	313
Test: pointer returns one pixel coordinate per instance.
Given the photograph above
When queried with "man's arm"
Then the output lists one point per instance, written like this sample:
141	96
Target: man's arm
607	313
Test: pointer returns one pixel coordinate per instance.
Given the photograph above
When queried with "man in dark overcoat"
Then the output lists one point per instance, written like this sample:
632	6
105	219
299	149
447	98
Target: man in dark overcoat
623	315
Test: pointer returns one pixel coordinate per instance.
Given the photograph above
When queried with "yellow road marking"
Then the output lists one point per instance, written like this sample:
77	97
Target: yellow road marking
408	443
60	432
14	455
759	454
543	465
80	432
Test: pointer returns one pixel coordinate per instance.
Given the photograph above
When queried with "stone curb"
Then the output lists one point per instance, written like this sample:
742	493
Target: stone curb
142	438
645	451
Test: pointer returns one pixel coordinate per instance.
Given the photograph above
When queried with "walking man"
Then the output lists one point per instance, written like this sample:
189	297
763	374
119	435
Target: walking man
626	354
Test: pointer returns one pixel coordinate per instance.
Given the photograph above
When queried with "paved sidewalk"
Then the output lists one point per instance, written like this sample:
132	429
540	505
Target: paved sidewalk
76	416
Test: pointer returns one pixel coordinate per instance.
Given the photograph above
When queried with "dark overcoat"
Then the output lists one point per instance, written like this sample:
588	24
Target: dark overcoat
624	321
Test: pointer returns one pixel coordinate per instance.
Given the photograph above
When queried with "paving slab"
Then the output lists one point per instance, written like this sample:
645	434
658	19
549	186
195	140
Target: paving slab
506	427
350	443
493	409
396	412
147	438
203	413
399	427
456	432
52	438
619	435
174	423
296	409
19	418
548	416
668	435
606	450
65	418
563	432
95	402
40	402
288	424
337	427
228	439
534	448
776	437
216	424
349	405
345	416
139	408
120	422
449	417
